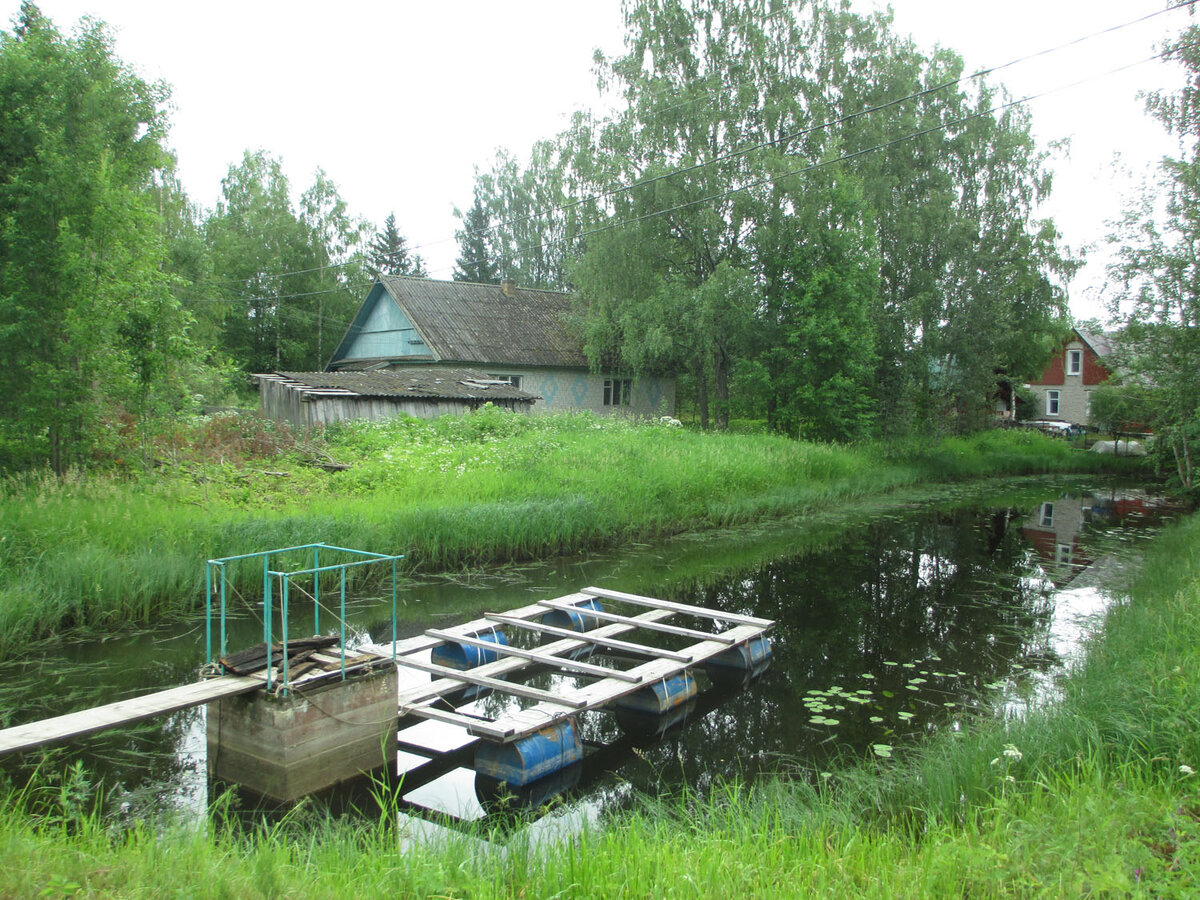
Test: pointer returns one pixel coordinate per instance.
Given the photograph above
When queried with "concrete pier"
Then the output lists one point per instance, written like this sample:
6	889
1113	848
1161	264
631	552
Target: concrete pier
285	746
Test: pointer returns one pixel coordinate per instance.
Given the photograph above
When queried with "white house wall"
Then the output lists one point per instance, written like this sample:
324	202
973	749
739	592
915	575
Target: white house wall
567	390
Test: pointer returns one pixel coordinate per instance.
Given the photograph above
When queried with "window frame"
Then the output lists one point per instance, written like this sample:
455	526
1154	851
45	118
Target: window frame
1053	398
1074	362
618	392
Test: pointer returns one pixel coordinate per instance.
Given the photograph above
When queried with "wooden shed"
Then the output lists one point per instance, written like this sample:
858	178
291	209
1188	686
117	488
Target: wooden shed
308	399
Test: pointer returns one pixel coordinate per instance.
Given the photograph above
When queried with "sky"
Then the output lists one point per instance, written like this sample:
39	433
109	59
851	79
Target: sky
400	102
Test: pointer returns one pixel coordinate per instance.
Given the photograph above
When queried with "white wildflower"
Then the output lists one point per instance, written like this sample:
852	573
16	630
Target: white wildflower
1011	751
1187	770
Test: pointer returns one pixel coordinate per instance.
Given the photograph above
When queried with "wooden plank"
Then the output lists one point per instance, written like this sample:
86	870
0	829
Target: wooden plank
548	659
478	727
602	693
651	626
123	712
702	611
612	643
496	684
510	664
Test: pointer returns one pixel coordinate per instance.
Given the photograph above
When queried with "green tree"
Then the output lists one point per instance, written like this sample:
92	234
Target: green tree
286	280
750	128
388	253
476	262
1157	274
90	328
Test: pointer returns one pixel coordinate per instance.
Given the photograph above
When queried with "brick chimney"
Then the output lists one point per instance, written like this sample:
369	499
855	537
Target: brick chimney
509	287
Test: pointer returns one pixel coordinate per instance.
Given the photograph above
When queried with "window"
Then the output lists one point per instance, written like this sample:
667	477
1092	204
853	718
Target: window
1074	362
514	380
1052	403
617	391
1047	515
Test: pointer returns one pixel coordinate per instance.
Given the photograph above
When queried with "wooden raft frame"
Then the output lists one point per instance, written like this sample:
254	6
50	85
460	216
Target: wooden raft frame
732	630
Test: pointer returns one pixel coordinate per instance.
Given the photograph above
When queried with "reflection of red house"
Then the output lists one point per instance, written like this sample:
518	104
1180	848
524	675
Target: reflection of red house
1053	530
1064	390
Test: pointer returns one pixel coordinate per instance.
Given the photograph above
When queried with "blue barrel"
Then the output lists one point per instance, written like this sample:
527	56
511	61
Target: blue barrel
574	621
468	656
660	697
637	723
523	762
738	664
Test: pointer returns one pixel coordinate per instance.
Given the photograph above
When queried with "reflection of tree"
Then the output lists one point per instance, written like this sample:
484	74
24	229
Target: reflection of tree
942	591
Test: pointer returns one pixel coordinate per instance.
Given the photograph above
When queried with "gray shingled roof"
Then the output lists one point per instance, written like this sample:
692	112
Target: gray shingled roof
426	382
1101	344
478	323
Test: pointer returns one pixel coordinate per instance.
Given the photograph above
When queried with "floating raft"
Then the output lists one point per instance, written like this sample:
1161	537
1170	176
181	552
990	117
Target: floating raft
572	627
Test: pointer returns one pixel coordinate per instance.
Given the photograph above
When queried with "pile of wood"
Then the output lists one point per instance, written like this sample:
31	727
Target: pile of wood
300	656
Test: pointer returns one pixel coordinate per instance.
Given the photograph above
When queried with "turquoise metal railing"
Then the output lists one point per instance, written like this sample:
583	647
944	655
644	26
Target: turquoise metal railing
217	574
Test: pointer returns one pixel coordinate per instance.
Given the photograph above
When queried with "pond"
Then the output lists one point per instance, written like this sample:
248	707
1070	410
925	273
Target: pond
893	621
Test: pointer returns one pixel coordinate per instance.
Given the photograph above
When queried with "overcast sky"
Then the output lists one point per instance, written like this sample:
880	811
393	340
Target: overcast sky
399	102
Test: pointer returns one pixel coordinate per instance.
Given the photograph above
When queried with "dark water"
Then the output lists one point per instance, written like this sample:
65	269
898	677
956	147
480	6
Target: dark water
892	623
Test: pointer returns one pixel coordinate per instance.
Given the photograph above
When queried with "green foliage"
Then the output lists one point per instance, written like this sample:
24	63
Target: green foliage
743	222
388	253
88	323
1093	796
484	489
1159	279
284	281
477	262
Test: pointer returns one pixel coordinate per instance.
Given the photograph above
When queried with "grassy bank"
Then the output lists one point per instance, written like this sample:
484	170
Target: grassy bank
1097	796
491	488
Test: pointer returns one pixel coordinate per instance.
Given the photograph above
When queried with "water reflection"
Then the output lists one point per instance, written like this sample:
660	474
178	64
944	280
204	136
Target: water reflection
887	629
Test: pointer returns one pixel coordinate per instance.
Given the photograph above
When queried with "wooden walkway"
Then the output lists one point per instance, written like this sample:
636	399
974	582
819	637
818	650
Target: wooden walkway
611	683
124	712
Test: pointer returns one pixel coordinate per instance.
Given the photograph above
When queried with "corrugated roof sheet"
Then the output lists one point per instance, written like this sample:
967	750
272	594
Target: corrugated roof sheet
479	323
432	382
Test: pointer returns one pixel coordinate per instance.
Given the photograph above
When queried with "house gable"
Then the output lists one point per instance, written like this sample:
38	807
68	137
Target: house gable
381	330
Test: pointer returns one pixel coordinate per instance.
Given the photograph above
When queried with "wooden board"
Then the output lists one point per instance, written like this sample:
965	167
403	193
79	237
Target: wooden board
124	712
589	636
701	611
496	684
537	656
679	630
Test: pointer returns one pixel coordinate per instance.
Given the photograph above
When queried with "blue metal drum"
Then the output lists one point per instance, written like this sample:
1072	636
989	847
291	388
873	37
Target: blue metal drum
523	762
467	656
739	664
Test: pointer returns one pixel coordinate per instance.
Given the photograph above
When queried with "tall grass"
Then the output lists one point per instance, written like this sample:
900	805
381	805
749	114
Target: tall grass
485	489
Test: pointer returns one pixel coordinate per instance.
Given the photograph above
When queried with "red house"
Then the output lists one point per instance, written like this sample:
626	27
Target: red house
1063	393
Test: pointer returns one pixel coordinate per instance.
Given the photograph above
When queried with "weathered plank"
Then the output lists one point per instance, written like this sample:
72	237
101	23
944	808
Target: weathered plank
702	611
504	666
678	630
611	643
124	712
544	658
496	684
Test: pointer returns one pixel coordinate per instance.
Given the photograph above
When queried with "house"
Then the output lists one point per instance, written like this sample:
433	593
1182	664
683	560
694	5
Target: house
1063	393
308	399
511	334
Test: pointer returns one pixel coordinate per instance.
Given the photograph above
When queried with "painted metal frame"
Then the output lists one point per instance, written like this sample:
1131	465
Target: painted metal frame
217	571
